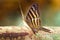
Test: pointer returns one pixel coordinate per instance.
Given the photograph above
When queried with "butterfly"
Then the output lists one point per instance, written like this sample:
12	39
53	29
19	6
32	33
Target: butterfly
33	19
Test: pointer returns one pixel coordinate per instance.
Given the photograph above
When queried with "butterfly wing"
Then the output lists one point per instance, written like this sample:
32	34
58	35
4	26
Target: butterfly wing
33	18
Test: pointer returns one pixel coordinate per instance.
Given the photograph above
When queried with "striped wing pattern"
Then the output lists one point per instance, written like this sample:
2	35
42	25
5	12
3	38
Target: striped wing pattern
33	18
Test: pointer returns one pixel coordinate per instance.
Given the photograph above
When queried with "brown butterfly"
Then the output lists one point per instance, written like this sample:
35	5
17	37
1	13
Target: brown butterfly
33	19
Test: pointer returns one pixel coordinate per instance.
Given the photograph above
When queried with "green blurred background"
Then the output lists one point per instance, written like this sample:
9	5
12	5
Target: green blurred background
50	19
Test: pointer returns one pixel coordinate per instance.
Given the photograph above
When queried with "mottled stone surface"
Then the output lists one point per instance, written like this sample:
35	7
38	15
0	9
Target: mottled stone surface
23	33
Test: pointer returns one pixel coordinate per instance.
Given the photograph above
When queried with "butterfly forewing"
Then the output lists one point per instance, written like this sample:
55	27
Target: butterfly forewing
33	17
